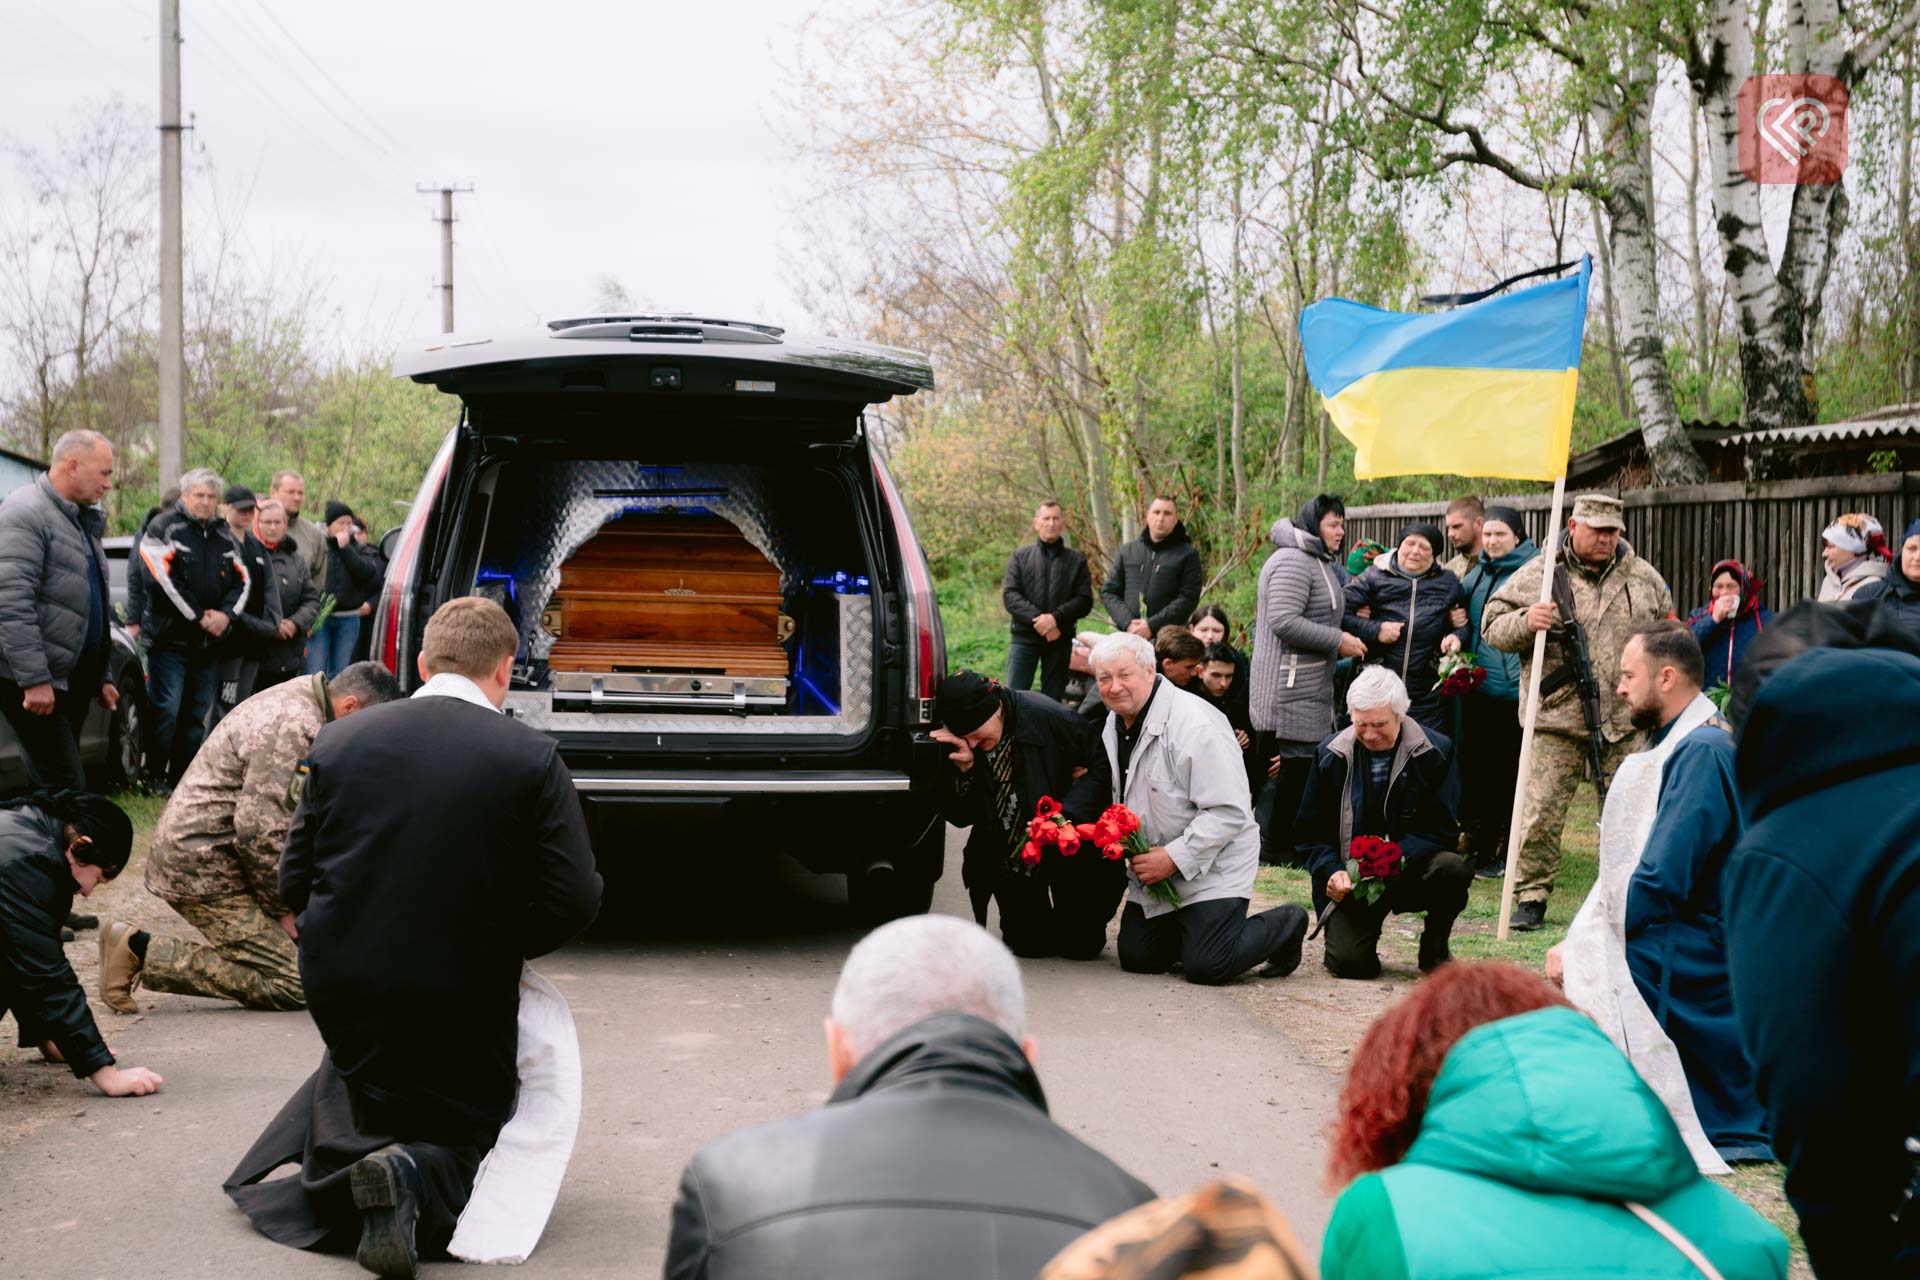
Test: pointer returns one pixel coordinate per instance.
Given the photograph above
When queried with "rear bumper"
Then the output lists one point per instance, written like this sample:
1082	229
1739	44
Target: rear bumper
745	782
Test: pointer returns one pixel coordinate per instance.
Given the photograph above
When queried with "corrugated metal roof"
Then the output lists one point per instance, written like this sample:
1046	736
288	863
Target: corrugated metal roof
1901	424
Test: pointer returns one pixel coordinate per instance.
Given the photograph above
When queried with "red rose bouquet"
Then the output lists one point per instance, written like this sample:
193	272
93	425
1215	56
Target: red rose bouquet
1459	675
1116	834
1371	862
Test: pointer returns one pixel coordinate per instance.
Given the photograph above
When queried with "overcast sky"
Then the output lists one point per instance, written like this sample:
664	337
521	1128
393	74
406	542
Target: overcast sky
635	140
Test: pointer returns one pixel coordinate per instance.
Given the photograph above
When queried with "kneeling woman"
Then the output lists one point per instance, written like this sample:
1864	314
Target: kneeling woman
51	846
1489	1129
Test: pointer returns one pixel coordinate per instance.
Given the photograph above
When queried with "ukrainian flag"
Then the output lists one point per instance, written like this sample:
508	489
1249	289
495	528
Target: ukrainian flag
1481	390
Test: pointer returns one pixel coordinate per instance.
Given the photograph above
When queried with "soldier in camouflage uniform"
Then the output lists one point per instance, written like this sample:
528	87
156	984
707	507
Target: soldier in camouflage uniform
1615	592
216	852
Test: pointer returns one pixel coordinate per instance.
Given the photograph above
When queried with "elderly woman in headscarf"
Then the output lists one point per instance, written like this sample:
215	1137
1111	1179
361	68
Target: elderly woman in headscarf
1855	549
1409	610
1297	638
1727	623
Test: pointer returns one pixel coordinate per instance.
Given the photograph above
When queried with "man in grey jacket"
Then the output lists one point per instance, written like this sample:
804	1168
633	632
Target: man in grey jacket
55	647
1177	767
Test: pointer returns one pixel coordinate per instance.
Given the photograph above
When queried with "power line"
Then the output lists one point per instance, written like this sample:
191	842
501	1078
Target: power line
251	34
344	95
233	64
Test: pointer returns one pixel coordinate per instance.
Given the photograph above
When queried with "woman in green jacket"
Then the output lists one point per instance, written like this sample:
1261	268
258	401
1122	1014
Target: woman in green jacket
1489	739
1487	1128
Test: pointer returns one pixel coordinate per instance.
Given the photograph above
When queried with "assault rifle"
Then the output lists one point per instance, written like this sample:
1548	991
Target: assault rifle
1578	671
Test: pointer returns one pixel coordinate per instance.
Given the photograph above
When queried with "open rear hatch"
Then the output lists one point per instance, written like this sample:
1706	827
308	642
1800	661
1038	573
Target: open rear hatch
680	516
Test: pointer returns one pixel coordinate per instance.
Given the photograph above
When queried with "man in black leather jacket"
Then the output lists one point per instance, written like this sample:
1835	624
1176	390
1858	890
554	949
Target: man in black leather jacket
934	1157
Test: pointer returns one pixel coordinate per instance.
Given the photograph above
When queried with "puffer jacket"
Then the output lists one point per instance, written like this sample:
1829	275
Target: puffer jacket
1296	636
48	546
36	982
933	1159
1156	582
1421	604
299	600
1486	577
1536	1136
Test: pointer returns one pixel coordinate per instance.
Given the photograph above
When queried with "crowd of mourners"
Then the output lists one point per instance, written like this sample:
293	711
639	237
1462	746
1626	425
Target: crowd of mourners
1376	699
1739	983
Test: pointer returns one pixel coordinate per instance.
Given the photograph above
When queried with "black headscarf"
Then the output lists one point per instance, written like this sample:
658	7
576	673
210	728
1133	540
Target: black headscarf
966	700
1431	532
1510	518
1319	509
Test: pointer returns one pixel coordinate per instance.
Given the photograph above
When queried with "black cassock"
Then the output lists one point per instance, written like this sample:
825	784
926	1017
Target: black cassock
437	845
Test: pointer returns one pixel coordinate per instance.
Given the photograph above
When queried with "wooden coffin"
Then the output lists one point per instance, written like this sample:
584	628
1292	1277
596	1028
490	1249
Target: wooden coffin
678	597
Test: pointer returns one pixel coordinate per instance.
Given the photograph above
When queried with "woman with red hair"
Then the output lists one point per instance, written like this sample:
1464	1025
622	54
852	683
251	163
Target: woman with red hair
1488	1128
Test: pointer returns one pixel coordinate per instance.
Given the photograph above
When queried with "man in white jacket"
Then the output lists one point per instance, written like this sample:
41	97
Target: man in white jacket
1177	766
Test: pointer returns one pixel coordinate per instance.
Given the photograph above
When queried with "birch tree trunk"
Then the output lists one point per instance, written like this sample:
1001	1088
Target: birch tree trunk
1702	342
1771	321
1239	434
1624	130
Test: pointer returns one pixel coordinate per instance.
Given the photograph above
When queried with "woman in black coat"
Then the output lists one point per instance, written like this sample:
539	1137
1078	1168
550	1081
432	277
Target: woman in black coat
1415	612
51	846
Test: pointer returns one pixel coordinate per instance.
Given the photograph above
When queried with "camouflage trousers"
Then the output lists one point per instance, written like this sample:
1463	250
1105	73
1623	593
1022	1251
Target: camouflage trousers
247	957
1558	769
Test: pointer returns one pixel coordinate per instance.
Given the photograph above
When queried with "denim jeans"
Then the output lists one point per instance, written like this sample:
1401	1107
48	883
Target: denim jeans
181	684
330	649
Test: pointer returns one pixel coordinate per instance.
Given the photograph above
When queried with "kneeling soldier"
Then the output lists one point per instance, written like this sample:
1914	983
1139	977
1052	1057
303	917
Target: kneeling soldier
216	853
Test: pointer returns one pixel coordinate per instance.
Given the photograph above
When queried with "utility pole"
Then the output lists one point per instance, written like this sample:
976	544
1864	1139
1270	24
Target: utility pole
173	359
446	248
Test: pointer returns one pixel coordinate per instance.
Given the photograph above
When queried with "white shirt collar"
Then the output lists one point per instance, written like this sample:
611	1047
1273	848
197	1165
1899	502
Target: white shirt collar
451	684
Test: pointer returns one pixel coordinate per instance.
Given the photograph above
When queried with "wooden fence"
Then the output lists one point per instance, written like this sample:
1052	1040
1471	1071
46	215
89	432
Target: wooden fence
1772	528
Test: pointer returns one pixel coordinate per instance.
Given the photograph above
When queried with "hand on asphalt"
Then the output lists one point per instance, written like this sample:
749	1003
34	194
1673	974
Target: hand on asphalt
129	1082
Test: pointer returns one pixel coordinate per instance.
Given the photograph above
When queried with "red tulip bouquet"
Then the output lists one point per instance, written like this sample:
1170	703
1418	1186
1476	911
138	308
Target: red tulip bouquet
1117	835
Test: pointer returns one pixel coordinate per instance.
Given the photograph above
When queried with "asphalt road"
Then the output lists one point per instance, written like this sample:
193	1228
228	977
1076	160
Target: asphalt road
686	1034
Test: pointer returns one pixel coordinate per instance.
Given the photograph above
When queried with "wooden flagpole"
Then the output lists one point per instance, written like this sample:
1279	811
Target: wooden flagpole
1556	529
